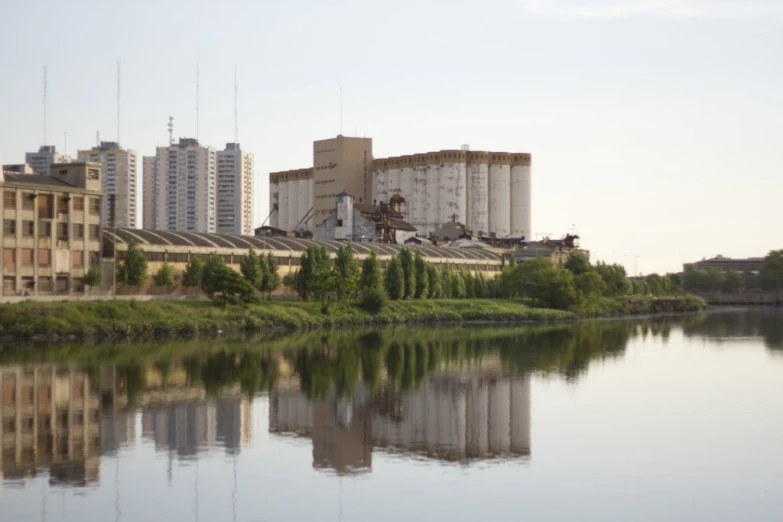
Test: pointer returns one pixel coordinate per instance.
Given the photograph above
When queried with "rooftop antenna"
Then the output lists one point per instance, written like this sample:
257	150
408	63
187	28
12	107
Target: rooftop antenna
197	97
171	130
236	111
118	103
44	100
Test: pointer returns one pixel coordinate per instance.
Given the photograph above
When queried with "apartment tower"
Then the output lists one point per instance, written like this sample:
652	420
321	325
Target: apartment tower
234	191
42	160
118	179
150	196
184	179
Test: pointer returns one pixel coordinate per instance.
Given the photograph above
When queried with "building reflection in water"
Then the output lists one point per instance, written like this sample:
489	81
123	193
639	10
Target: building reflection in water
63	420
453	418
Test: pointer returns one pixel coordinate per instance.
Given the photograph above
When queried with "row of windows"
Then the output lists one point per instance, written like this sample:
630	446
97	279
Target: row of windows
44	258
45	229
45	207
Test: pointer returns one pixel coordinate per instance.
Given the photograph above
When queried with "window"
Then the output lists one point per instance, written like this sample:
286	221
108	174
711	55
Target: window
95	231
78	204
28	201
9	260
94	258
28	228
9	288
62	231
77	258
44	257
93	174
45	206
61	284
27	256
62	204
9	227
95	206
45	284
9	199
44	228
78	231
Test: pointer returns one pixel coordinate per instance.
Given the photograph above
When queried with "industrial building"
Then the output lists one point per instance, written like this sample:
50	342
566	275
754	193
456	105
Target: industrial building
51	229
724	264
118	179
46	156
488	192
366	223
556	250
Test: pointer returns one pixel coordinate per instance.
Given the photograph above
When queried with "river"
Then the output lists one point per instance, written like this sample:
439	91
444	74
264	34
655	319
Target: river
665	418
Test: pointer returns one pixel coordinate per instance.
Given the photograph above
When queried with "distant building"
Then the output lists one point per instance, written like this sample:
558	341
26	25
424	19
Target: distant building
118	179
185	183
151	201
42	160
556	250
51	229
750	264
234	191
364	223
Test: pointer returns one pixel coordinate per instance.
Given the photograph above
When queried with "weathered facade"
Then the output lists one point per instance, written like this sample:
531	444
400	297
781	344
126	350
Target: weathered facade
51	229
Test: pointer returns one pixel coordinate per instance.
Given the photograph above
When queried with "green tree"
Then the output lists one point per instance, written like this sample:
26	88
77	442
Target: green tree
590	286
271	270
223	284
733	281
347	273
93	277
371	272
191	276
772	271
251	269
409	272
422	276
470	287
434	279
133	270
548	285
578	263
165	276
614	276
394	279
456	285
316	279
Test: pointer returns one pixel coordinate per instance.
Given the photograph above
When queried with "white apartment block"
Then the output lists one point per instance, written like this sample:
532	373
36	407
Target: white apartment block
42	160
234	191
185	182
118	179
150	197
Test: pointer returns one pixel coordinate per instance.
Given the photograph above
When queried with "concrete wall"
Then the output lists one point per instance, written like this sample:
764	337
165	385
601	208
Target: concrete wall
500	199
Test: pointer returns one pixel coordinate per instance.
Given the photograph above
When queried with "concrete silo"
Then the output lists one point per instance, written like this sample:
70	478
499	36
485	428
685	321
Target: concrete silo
433	175
395	178
283	206
406	185
452	186
500	193
293	200
303	195
418	205
478	190
381	181
520	196
274	199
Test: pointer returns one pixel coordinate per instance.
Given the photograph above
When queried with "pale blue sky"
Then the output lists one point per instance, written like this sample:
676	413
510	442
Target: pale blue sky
655	125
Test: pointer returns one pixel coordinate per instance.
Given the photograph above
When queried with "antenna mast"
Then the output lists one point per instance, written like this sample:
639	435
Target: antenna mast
171	130
44	100
236	110
118	102
197	98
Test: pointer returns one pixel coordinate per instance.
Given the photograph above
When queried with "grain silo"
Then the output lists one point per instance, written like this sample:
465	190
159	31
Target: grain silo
417	215
452	187
478	190
406	185
500	194
284	203
274	199
293	200
433	174
520	196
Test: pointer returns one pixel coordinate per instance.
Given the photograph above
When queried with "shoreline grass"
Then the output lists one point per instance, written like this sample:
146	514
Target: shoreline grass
154	319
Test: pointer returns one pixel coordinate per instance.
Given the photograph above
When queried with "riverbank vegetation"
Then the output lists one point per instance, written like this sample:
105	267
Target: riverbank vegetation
769	278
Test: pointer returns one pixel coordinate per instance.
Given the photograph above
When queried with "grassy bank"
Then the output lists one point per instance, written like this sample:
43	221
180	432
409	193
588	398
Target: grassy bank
148	319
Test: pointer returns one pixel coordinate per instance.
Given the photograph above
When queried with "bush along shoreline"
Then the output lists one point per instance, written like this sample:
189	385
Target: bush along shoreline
342	293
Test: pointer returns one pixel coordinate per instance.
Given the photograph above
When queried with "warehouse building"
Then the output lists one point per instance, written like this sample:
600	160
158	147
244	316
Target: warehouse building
489	192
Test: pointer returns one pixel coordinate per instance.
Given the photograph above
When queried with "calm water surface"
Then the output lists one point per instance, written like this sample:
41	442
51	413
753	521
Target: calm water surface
656	419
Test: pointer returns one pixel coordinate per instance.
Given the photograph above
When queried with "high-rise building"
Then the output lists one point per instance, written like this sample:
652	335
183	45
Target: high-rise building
43	159
234	191
118	179
150	197
184	179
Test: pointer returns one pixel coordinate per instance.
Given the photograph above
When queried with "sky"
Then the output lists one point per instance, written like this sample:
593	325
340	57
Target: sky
656	126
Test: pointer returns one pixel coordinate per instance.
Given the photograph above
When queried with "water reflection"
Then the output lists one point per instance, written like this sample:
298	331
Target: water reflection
729	326
445	395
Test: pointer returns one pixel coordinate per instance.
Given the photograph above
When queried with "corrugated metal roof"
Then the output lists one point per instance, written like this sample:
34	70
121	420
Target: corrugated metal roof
186	241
